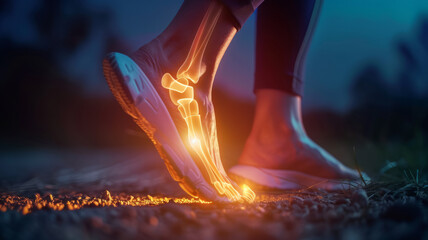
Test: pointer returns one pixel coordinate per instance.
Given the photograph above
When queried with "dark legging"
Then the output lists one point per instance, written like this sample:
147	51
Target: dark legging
284	28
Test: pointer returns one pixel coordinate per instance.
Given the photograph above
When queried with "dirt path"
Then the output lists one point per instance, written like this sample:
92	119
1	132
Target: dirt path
133	199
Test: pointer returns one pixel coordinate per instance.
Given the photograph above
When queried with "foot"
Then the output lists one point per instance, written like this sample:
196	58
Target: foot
166	87
289	151
129	79
279	141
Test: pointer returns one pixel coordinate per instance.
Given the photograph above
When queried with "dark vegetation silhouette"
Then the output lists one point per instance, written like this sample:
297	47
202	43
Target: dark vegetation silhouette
397	108
42	106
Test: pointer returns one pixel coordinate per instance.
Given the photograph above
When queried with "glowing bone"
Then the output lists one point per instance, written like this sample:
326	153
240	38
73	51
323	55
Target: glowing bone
192	66
182	95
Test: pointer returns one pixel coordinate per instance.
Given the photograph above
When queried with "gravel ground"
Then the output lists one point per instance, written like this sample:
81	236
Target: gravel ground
135	199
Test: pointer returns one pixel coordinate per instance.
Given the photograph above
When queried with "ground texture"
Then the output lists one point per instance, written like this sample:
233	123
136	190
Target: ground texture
113	195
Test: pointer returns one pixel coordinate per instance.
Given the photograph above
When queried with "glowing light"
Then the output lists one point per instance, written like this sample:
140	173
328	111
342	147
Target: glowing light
248	194
77	201
182	95
194	141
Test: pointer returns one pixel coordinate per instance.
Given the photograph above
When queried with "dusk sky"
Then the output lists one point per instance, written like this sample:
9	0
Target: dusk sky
349	35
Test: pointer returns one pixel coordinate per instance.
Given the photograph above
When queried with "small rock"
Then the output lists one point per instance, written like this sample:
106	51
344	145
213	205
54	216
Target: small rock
153	221
360	196
260	209
190	214
107	195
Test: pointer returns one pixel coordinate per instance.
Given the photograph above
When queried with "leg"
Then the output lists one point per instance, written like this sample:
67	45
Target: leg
166	87
278	139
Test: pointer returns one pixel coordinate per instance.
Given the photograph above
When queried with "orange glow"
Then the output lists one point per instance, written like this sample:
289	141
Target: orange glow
77	201
182	95
248	194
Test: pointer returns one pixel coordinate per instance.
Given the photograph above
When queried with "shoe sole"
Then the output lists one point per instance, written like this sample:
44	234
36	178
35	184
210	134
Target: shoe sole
139	99
272	179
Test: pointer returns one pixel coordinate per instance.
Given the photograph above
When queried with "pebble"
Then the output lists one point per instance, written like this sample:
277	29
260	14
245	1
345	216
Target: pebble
107	196
360	196
320	216
153	221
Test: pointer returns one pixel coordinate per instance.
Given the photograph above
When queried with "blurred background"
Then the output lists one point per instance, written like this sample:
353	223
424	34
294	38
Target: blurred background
366	91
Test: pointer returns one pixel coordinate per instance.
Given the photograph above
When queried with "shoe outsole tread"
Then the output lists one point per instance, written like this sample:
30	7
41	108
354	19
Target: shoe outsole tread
116	80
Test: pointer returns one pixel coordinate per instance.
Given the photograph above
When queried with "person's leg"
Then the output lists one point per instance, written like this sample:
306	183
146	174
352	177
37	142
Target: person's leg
181	64
278	139
167	52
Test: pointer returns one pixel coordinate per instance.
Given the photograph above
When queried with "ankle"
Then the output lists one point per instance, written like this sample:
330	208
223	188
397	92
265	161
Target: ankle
277	115
173	50
269	135
209	31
